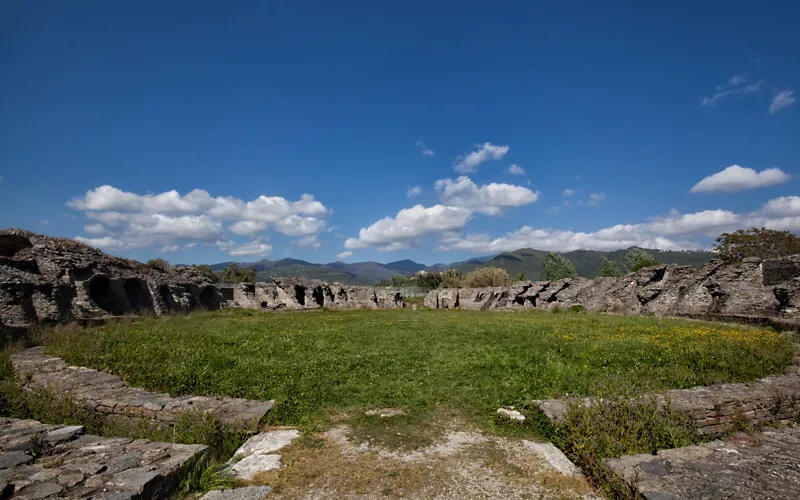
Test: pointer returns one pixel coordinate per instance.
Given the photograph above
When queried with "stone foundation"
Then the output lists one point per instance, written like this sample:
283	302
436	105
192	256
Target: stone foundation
109	396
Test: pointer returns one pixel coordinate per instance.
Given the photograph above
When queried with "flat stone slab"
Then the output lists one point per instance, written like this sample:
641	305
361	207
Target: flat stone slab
246	493
555	457
257	454
109	395
759	465
74	465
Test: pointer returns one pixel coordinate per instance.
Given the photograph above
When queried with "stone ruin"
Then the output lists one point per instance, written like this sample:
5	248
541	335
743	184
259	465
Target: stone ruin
751	290
56	280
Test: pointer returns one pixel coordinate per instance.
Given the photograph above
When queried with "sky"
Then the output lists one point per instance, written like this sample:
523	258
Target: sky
210	131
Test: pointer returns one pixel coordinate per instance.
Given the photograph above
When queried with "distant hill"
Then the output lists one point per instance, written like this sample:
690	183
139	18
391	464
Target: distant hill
587	263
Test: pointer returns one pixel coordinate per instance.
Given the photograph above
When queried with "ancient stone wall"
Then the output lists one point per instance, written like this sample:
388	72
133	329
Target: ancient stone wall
56	280
750	290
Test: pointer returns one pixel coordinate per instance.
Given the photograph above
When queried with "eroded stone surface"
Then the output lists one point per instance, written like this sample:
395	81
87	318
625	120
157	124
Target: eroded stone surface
750	290
746	466
109	395
555	457
85	466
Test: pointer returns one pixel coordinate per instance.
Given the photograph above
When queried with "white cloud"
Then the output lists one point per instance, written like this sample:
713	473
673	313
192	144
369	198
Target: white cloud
490	199
170	219
310	241
248	227
516	170
252	249
736	85
595	199
414	191
484	152
45	222
105	243
94	228
569	192
735	178
424	150
672	232
344	255
781	100
408	225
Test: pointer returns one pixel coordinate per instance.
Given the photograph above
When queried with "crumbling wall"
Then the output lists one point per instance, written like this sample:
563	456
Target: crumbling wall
54	280
751	289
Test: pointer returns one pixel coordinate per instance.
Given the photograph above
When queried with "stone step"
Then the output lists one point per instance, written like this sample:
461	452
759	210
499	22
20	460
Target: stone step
109	395
51	461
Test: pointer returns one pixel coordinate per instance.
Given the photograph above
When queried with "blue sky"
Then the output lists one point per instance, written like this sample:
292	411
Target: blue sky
211	131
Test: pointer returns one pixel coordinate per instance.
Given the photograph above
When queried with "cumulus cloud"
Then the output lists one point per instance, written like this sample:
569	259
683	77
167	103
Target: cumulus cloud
344	255
410	224
569	192
414	191
735	86
171	220
595	199
516	170
490	199
672	232
483	152
423	149
781	100
252	249
735	178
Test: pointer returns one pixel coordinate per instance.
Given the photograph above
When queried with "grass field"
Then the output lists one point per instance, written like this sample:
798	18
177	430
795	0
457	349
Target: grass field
321	364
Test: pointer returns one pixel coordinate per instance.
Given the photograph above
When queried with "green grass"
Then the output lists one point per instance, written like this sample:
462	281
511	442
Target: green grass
324	363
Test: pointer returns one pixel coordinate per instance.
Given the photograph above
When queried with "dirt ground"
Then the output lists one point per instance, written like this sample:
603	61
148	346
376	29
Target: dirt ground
445	460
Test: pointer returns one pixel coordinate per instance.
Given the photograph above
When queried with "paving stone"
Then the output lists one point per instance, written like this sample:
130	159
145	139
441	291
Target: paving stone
109	395
65	433
137	479
39	490
554	457
745	466
247	493
251	465
267	442
14	458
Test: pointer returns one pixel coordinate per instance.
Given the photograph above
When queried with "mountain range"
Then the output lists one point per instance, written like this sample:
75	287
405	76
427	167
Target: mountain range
587	263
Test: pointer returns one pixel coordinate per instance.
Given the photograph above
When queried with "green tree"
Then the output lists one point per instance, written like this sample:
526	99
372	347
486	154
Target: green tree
451	278
159	263
756	242
521	276
429	279
558	267
636	259
610	268
234	274
486	276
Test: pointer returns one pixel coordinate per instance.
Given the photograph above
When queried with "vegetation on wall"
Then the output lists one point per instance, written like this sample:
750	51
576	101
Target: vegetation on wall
756	242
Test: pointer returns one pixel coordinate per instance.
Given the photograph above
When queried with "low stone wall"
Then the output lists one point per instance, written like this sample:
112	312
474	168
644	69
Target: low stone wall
717	409
297	293
752	290
108	395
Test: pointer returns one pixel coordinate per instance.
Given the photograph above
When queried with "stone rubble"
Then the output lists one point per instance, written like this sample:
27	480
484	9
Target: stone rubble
40	461
108	395
58	280
745	466
752	290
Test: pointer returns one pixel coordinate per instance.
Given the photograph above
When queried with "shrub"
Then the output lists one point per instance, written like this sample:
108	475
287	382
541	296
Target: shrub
451	278
636	259
558	267
521	277
159	264
609	269
429	280
486	276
